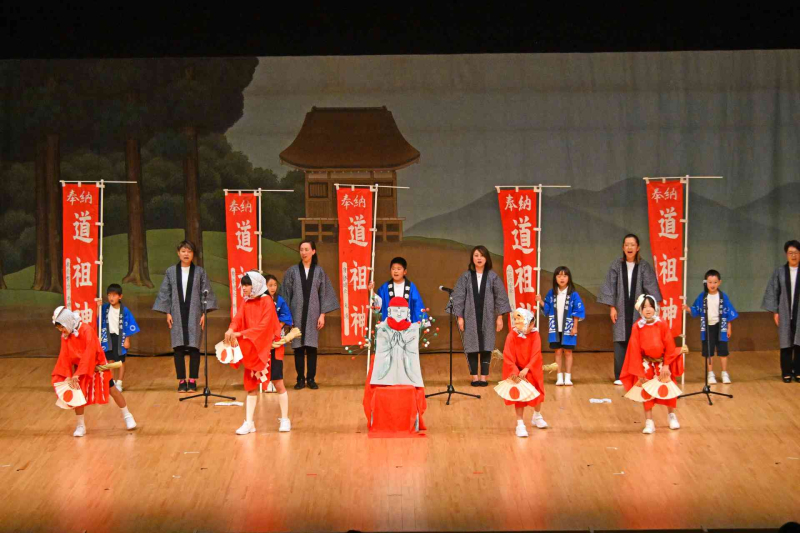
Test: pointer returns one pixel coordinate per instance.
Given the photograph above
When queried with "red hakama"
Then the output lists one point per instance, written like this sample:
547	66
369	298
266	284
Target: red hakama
258	322
654	341
524	352
78	356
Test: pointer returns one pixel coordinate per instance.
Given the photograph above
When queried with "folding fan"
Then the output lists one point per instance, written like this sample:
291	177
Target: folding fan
68	398
635	394
522	391
662	391
227	354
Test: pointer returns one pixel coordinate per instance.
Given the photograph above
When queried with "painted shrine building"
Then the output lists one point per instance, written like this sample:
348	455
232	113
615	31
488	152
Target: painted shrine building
352	145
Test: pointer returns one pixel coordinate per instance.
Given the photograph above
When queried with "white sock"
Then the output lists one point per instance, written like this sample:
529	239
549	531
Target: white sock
81	420
283	401
252	400
118	381
124	411
520	422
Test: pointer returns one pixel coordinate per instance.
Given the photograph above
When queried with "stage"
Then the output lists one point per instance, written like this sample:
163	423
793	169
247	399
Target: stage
733	464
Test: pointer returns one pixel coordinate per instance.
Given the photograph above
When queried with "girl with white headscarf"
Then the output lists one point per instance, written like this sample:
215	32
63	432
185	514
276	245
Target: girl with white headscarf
254	328
80	365
522	359
652	353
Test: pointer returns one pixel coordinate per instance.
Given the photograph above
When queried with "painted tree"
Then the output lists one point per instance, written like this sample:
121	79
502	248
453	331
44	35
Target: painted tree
200	96
126	87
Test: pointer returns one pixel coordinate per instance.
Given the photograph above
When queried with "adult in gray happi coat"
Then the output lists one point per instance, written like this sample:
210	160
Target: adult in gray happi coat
181	298
782	298
479	302
310	295
627	279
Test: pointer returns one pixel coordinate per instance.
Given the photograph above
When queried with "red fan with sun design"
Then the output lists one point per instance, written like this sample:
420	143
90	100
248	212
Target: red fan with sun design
659	390
521	391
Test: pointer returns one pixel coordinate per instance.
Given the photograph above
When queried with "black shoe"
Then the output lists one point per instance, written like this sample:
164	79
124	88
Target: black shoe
193	386
787	379
183	387
475	384
301	384
312	384
483	383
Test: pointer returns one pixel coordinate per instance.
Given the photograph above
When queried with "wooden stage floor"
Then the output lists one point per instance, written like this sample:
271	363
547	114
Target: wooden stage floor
735	464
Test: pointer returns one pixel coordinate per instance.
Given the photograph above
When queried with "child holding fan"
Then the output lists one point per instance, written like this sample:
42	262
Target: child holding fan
564	309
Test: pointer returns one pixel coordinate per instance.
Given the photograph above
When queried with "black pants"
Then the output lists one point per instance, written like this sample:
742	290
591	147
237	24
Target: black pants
790	361
620	348
180	362
485	359
300	363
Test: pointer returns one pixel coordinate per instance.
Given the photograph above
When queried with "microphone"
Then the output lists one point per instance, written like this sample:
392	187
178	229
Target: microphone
445	289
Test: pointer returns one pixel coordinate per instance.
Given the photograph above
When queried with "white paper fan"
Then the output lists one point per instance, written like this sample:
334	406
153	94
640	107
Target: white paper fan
635	394
68	398
662	391
516	392
227	354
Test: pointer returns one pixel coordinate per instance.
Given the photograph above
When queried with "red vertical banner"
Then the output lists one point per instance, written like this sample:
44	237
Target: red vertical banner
81	242
665	204
518	211
355	254
241	227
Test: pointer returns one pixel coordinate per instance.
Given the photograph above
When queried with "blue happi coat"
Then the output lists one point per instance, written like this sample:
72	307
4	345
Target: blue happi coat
726	314
573	310
411	294
284	313
127	327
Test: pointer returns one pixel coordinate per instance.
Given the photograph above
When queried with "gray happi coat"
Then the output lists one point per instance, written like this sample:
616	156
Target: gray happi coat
185	332
776	300
613	292
495	303
322	299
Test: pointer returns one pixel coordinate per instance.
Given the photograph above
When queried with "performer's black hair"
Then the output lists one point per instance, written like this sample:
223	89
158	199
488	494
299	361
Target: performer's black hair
114	288
714	273
485	253
399	261
570	285
313	247
794	243
636	238
187	244
246	280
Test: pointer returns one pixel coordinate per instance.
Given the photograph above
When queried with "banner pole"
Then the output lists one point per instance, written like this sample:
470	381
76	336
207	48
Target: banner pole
685	271
372	274
538	253
260	232
99	306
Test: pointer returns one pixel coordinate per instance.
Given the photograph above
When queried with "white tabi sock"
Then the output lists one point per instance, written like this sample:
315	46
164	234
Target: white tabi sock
124	411
250	408
283	401
81	420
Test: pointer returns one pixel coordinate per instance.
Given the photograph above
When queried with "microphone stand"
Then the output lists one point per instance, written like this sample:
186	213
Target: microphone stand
206	391
450	389
706	388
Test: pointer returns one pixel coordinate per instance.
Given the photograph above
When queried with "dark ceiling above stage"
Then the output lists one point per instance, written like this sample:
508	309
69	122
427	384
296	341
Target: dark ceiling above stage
399	28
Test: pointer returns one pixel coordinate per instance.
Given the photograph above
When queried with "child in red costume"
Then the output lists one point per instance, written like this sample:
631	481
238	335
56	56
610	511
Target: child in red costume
522	359
80	364
652	352
254	328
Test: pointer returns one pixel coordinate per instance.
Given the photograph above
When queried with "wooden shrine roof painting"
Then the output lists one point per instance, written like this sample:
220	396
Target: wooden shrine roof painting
349	138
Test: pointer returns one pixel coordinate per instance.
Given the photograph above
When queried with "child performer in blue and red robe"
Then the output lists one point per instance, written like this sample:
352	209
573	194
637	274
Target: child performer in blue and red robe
254	328
80	363
399	287
522	359
651	352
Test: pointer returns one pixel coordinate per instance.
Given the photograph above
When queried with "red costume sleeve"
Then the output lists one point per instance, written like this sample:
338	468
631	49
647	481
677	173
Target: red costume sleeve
672	355
87	345
536	352
509	357
63	368
632	368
